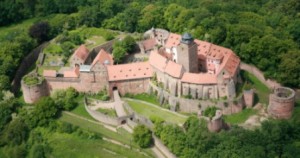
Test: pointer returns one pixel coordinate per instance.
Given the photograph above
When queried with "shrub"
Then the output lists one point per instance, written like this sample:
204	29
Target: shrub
31	80
108	36
210	111
142	136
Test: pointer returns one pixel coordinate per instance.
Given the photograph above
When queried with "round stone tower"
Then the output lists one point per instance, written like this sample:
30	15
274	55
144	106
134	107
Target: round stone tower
34	88
281	103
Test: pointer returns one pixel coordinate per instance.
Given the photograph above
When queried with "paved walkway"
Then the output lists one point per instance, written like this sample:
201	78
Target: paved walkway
118	104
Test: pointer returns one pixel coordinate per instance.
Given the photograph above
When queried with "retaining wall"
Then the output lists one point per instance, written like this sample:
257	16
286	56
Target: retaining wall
193	105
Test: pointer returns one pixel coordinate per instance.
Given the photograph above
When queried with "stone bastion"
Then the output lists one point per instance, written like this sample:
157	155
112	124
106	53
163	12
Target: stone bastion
34	90
281	103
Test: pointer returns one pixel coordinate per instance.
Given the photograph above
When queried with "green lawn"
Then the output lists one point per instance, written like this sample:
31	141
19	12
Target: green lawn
80	110
240	117
71	146
109	112
151	111
94	41
151	98
262	90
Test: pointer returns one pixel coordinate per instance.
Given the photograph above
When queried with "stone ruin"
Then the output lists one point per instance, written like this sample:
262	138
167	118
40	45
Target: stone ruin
281	103
216	124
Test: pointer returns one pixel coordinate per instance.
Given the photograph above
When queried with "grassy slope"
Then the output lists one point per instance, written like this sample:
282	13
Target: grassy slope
240	117
149	111
91	126
70	146
262	90
80	110
146	97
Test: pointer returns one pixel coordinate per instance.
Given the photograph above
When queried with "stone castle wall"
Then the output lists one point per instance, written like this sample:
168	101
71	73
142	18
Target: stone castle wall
32	93
80	86
130	86
27	62
281	103
194	105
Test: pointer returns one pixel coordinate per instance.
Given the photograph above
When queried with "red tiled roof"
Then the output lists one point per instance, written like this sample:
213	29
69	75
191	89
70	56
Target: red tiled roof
203	47
129	71
49	73
102	56
200	78
232	64
149	44
174	69
158	61
82	52
74	73
173	40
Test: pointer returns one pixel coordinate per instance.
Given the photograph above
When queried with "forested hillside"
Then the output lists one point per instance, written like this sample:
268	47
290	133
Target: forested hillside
265	33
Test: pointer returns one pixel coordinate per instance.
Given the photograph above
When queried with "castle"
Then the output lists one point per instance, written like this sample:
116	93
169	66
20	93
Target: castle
182	65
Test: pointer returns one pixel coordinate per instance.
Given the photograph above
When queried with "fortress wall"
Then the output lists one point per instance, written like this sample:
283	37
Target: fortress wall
64	83
130	86
257	73
27	62
281	103
34	92
194	105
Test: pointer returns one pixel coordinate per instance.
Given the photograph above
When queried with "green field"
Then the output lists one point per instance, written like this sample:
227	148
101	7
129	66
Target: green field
151	98
94	127
80	110
262	91
71	146
240	117
154	111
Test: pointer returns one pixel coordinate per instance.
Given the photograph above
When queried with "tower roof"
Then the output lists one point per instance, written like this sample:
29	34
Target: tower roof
186	38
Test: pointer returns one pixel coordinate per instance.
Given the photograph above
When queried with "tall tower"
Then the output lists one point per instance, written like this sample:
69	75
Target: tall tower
187	53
